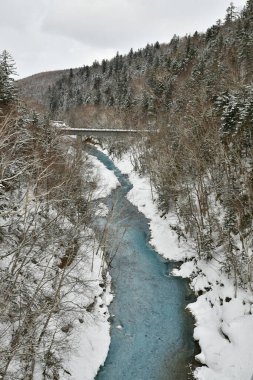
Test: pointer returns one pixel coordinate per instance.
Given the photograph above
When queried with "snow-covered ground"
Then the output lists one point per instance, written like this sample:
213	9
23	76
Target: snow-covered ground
92	338
106	179
224	321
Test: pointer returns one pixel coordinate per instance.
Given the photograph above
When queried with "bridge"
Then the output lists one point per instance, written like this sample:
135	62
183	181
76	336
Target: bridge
101	132
90	133
94	132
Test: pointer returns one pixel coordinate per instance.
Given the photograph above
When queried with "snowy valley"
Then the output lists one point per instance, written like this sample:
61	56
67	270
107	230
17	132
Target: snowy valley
130	257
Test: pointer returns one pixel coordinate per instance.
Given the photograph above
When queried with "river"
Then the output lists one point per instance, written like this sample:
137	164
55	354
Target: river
151	332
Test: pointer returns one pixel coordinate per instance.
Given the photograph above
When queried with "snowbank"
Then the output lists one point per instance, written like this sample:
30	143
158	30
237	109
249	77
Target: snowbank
163	239
106	178
92	339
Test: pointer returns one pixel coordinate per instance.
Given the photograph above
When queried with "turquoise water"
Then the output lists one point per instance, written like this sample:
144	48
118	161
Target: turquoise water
154	341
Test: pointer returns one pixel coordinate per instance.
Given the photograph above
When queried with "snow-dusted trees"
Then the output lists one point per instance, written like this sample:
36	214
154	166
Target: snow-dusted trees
7	71
46	246
203	170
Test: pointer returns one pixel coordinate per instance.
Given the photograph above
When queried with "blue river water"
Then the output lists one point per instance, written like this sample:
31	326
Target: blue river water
151	332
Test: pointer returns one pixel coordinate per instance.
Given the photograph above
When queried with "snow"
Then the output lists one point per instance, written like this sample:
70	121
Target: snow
92	338
224	321
163	239
106	178
218	312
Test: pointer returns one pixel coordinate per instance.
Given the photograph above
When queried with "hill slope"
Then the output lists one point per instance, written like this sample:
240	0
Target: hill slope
33	89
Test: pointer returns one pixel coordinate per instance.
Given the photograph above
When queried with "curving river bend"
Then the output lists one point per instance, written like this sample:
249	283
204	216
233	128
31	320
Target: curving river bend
151	333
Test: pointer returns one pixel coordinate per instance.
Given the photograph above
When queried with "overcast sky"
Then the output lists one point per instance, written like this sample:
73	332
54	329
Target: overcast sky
46	35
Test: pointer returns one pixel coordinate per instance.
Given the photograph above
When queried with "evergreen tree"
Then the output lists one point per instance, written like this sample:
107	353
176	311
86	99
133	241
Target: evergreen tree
7	71
104	66
231	13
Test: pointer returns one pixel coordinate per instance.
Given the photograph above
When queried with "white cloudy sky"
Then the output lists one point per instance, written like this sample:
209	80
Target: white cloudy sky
45	35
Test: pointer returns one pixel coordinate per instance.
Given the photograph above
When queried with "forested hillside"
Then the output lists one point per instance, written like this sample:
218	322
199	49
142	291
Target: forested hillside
156	82
34	88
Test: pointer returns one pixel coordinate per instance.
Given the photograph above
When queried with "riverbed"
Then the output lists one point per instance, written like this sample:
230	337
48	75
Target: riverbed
151	332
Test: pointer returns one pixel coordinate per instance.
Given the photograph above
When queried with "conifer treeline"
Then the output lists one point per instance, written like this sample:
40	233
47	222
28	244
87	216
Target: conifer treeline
160	78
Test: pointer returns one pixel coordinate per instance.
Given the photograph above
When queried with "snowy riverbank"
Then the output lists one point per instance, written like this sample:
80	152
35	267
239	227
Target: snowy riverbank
92	338
224	323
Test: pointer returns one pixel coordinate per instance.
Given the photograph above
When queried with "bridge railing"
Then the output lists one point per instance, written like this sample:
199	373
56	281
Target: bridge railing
64	129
